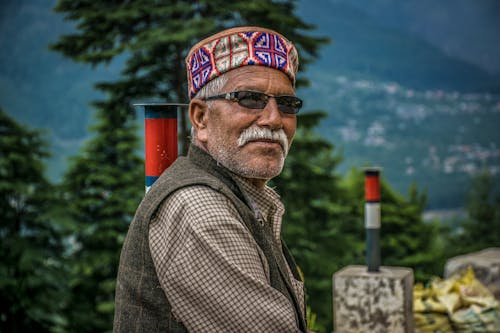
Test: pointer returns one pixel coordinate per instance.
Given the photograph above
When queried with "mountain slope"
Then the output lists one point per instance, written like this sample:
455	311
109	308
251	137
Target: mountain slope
363	47
466	29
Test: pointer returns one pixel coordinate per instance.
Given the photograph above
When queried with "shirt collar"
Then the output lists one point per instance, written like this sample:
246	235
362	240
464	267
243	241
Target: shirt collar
266	201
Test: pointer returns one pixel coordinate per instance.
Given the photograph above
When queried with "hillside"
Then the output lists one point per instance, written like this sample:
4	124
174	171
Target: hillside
397	101
466	29
433	138
364	47
40	87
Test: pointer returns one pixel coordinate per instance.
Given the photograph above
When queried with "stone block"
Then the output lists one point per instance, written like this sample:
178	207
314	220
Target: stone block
378	302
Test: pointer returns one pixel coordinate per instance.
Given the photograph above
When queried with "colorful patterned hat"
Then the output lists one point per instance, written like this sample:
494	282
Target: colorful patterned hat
237	47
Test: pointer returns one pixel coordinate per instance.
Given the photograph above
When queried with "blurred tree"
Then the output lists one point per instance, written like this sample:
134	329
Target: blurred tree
32	279
482	227
104	184
102	188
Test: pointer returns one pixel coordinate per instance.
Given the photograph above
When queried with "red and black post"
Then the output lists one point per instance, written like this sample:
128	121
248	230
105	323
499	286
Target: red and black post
372	218
161	138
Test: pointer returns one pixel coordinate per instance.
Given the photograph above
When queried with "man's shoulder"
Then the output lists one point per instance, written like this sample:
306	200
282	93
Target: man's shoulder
183	172
197	195
198	207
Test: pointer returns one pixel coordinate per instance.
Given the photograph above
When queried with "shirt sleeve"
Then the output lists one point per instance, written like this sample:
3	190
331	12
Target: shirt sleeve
212	271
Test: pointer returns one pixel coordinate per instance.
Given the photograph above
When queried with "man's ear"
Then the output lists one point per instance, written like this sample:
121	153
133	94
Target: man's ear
198	115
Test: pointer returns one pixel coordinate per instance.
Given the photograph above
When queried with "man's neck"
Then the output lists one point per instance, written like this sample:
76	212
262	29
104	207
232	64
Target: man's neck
259	183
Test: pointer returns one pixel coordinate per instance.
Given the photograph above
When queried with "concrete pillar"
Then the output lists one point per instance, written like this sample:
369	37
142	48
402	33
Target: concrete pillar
373	302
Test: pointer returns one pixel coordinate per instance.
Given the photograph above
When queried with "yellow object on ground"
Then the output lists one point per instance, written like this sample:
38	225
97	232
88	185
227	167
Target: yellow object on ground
458	304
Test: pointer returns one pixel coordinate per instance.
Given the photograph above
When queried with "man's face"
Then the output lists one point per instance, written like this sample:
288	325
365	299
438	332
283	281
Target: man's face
257	159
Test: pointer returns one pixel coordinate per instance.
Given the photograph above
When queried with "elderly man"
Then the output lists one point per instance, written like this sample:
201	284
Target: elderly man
204	252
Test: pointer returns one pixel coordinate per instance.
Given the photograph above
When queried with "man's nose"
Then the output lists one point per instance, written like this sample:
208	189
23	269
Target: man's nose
271	115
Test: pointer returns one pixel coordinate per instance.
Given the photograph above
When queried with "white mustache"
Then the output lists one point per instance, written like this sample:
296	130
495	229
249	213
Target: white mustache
256	133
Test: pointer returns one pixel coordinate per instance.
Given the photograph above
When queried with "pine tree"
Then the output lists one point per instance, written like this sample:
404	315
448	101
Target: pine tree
102	187
482	227
32	280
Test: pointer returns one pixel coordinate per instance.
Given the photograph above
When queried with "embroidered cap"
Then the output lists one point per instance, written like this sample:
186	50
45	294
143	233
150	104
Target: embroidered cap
237	47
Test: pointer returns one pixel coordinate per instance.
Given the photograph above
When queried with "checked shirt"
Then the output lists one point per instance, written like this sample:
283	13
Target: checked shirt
212	271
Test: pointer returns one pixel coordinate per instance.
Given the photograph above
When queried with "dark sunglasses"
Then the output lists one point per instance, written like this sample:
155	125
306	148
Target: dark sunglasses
259	100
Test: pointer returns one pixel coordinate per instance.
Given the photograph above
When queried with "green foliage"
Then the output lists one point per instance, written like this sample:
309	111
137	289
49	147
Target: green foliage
32	287
102	189
482	227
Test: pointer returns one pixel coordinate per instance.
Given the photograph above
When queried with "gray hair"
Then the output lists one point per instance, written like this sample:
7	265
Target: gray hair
213	87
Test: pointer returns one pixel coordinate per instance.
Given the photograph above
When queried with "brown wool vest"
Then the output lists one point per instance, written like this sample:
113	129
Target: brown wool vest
140	303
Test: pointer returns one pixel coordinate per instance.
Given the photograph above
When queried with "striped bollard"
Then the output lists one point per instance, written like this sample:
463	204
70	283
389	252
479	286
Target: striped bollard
372	218
161	145
375	299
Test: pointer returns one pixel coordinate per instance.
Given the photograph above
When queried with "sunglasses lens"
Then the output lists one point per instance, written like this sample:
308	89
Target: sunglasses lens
252	100
289	104
258	100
